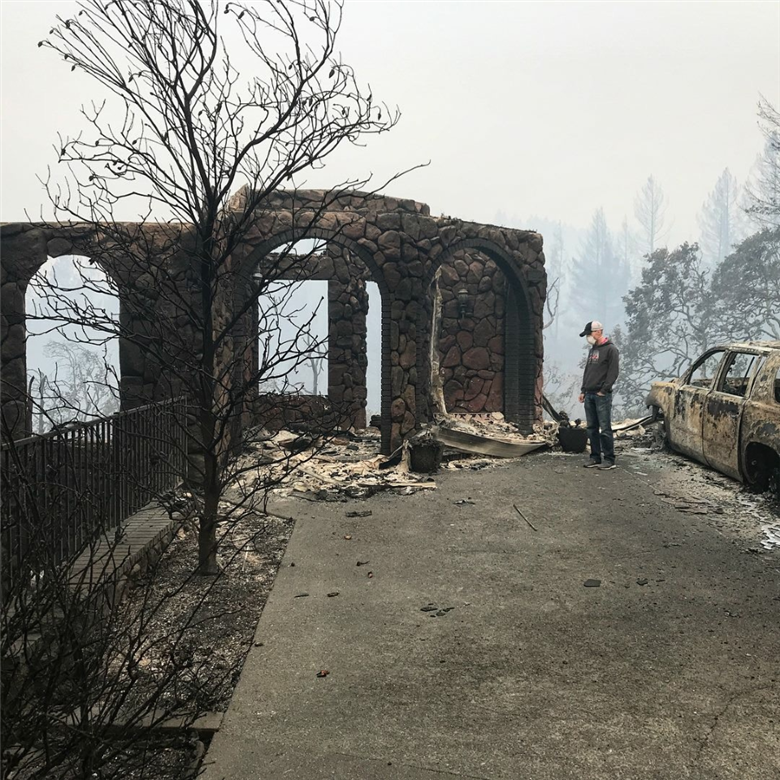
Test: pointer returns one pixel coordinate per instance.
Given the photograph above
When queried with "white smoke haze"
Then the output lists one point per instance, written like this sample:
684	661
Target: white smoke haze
534	115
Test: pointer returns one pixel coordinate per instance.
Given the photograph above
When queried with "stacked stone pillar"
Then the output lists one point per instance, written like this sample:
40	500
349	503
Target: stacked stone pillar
24	251
347	349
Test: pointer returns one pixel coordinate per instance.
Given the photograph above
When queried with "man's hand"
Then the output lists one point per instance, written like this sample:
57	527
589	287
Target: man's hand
581	399
601	394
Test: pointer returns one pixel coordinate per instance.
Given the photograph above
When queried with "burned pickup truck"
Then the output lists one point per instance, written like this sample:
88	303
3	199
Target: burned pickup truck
724	411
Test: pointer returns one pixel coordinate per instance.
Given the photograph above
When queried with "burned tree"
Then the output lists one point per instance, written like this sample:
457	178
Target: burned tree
86	674
721	219
181	131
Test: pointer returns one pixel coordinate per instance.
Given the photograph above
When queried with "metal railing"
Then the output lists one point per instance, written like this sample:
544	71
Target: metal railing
62	490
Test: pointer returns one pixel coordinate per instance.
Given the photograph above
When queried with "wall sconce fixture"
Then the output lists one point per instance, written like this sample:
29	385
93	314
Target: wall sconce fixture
464	302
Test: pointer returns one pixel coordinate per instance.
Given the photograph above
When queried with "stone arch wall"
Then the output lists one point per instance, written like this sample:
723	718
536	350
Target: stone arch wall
24	250
404	247
401	244
255	251
518	254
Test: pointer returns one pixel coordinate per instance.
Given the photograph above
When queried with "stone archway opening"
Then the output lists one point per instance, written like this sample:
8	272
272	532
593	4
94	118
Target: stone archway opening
489	350
374	351
292	332
72	369
341	268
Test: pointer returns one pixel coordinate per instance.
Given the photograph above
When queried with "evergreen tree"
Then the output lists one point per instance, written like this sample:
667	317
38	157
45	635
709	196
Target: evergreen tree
627	250
763	188
650	211
721	220
599	275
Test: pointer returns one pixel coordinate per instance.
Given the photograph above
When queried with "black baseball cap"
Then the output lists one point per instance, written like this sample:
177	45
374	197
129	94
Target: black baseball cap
591	326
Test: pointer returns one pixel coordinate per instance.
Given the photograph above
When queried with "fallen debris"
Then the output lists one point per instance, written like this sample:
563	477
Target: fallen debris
592	583
479	444
293	442
771	538
486	434
323	673
349	466
469	462
436	611
636	427
689	505
524	517
550	409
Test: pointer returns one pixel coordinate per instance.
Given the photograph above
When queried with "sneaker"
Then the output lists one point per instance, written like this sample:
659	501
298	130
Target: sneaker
592	464
607	466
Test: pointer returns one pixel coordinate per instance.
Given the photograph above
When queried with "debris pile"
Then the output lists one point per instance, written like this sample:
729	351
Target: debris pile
349	465
486	434
632	429
721	501
489	425
338	469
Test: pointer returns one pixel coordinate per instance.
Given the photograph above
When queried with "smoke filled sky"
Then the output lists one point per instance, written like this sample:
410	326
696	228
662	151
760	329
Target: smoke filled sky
549	109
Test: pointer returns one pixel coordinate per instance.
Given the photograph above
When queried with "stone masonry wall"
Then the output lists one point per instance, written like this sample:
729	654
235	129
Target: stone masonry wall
403	247
24	250
471	348
347	358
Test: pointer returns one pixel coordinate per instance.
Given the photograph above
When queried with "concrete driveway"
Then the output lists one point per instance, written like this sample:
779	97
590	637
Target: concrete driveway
669	669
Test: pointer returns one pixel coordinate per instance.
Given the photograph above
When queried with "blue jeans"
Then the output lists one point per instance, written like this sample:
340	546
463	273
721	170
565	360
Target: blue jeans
598	413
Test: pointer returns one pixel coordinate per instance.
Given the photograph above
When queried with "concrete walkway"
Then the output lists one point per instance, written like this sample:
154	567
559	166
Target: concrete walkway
529	674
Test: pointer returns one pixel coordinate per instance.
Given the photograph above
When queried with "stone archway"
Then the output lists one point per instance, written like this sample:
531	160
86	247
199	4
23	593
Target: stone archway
26	248
271	243
522	350
398	240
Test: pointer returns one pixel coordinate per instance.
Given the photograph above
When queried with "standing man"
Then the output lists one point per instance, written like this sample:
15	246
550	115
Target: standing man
601	372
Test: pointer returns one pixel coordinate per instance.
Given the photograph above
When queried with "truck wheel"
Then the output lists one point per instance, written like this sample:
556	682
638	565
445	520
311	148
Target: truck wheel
762	469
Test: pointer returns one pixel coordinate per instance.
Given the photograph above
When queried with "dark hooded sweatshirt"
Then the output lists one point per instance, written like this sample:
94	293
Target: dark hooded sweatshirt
601	368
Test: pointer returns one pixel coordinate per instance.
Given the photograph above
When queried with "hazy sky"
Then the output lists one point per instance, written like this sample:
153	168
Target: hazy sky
530	108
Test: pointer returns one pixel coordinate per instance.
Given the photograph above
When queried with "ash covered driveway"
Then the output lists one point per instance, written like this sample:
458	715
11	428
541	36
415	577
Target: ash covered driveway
530	674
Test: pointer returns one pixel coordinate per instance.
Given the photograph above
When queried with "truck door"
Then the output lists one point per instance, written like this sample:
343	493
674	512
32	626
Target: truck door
723	411
686	426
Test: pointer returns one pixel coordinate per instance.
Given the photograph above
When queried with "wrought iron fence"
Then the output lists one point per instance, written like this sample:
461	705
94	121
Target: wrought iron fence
63	489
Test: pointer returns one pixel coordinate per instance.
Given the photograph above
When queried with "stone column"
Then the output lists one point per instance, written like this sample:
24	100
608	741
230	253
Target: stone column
471	343
23	252
347	348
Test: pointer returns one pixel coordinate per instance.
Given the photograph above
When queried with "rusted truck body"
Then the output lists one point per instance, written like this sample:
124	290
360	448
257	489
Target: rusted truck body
724	411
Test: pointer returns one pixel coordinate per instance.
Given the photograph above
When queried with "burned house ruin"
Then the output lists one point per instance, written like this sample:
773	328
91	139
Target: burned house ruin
462	307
